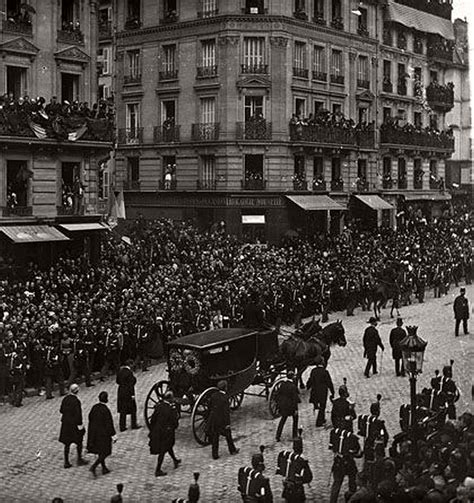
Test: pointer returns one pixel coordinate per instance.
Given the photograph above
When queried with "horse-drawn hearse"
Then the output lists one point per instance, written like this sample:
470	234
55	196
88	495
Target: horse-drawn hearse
252	362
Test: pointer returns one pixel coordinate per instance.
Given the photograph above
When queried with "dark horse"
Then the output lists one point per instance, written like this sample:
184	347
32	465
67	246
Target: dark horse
301	349
382	293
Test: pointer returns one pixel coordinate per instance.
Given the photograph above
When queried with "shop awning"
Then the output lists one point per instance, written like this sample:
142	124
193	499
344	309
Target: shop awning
426	196
316	203
419	20
33	233
84	227
253	219
375	202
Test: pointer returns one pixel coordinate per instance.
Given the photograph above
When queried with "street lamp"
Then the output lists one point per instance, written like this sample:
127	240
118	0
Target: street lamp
413	351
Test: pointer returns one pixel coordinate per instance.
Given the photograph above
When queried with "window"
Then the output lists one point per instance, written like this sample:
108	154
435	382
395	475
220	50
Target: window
336	9
363	114
208	53
208	110
335	169
336	108
387	173
168	110
433	169
169	172
362	26
319	9
133	169
387	114
106	60
254	7
336	65
417	174
133	117
104	183
70	173
387	69
300	107
133	59
318	59
418	119
169	66
362	169
318	106
433	76
133	12
402	173
69	11
318	168
170	7
69	87
16	81
254	54
299	62
207	179
18	176
209	8
299	170
253	107
363	72
434	121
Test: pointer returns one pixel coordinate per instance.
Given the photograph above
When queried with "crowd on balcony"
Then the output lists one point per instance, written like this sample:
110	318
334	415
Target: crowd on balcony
27	116
395	130
20	16
443	93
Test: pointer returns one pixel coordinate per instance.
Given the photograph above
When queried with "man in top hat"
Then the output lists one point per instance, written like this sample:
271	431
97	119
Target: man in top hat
253	486
371	342
319	384
397	334
287	399
461	312
126	404
218	422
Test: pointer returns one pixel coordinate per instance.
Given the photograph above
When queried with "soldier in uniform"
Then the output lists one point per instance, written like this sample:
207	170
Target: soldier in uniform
253	486
345	446
447	385
296	472
342	408
53	371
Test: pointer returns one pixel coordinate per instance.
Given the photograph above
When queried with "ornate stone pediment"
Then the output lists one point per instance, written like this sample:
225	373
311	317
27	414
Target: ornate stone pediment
19	46
366	96
72	55
254	85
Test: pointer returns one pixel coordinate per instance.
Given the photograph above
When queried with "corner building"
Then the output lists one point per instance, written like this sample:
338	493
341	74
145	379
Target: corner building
212	98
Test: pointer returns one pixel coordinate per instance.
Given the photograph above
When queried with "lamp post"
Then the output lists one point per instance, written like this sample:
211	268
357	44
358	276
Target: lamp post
413	351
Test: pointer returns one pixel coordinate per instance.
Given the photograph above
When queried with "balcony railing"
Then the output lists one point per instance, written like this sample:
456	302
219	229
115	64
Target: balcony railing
363	31
315	133
366	139
321	76
258	129
319	185
129	136
205	132
17	211
132	79
337	23
132	23
337	79
65	210
17	27
206	184
166	134
440	97
70	36
387	86
387	182
402	88
253	184
402	182
337	185
168	184
438	48
362	185
170	17
202	14
300	14
441	8
410	135
206	72
434	183
255	68
302	73
168	74
365	84
255	10
105	30
300	185
319	18
131	185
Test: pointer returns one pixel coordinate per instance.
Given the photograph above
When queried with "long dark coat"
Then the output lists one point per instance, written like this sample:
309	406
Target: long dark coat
371	341
71	419
219	413
461	308
319	383
163	424
126	390
101	430
397	334
288	398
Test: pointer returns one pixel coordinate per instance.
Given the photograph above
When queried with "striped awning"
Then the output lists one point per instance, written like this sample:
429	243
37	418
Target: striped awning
316	203
33	233
419	20
375	202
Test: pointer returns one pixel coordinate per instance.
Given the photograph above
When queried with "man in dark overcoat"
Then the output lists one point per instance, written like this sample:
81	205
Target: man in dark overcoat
397	335
342	408
163	425
287	400
319	383
126	404
461	312
101	433
371	342
218	422
72	429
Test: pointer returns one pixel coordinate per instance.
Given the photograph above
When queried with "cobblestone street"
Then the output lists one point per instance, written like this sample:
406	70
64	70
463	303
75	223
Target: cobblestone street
31	458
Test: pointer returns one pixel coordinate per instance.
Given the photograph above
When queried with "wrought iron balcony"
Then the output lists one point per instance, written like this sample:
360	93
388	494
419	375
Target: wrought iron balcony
321	76
441	8
166	134
439	48
130	136
300	185
17	211
132	79
170	17
258	68
300	14
205	132
206	72
387	182
202	14
258	129
440	97
253	184
206	184
105	30
319	185
168	74
319	18
132	23
302	73
337	79
362	185
366	138
337	185
365	84
72	36
17	27
131	185
337	23
410	135
64	210
387	86
315	133
363	31
168	184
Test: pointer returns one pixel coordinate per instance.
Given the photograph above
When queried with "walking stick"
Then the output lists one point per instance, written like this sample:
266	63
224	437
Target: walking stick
381	362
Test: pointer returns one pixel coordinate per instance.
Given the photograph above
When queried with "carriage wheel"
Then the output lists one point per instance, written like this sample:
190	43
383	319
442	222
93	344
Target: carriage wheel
235	401
200	416
272	401
155	395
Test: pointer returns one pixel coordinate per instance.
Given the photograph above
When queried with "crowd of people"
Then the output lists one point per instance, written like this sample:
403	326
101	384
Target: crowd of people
28	116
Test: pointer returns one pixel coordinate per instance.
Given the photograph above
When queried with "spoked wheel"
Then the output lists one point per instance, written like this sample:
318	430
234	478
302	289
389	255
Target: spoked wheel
156	394
200	416
272	400
235	401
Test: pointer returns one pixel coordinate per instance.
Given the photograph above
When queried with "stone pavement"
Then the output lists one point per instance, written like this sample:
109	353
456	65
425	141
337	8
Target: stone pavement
31	462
